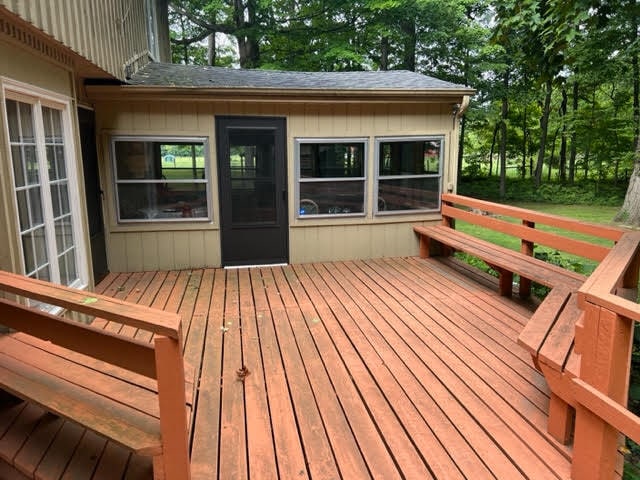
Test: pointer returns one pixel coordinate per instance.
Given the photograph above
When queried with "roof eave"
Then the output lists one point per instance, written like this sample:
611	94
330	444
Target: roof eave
144	92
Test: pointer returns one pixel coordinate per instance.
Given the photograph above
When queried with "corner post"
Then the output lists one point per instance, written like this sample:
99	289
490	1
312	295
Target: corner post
173	414
605	350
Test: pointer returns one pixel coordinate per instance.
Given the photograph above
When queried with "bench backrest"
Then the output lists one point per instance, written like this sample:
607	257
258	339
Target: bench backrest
128	353
463	208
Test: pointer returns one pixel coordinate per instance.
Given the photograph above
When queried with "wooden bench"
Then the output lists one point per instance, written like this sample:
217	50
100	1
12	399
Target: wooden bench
126	390
550	332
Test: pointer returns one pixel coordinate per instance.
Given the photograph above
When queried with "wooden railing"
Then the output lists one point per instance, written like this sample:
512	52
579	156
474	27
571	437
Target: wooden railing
483	214
604	340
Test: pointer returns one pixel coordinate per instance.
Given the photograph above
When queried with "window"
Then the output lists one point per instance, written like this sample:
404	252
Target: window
331	178
45	188
409	174
161	179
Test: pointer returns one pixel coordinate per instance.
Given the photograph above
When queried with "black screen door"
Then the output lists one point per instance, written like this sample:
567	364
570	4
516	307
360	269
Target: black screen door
252	171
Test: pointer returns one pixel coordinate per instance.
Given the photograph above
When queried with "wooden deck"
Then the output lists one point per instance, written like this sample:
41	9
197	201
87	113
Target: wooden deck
388	368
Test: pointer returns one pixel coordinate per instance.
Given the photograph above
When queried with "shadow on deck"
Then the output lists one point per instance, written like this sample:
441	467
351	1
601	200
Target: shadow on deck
388	368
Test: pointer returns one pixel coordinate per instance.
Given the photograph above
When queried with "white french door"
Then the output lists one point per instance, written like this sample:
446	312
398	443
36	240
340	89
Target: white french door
45	187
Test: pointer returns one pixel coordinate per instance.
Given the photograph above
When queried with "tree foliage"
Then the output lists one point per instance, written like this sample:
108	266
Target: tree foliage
557	80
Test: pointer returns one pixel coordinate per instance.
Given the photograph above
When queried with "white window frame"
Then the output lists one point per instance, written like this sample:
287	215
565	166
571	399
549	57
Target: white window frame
161	139
298	179
38	98
378	177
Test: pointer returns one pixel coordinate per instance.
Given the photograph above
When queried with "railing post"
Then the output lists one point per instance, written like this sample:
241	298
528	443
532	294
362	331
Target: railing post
526	247
173	416
446	220
605	348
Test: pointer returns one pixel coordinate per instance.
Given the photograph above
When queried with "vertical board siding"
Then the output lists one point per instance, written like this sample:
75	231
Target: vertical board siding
108	33
133	250
144	251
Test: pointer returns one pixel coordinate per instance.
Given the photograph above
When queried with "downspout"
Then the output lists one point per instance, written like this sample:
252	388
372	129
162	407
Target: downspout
458	110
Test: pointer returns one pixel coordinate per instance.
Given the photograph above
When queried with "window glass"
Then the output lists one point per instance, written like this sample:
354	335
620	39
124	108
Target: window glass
160	180
331	177
409	174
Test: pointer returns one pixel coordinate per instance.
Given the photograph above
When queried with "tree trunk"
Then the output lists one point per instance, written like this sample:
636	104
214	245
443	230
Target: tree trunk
636	76
525	140
493	147
553	153
503	137
544	126
562	162
574	136
408	27
211	49
630	211
248	46
384	53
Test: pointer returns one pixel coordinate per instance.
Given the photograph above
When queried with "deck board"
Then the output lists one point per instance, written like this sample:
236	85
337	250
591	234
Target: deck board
388	368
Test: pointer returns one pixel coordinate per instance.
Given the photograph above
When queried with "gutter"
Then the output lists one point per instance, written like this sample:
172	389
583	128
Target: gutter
151	92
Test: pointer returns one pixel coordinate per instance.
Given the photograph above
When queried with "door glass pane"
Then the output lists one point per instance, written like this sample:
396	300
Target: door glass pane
60	199
252	167
64	234
14	122
26	122
35	205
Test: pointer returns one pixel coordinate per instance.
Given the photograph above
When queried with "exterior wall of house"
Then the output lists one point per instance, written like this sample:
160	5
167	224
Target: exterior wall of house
24	69
148	246
108	33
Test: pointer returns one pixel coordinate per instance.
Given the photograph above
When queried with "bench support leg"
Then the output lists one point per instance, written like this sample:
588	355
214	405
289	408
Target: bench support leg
506	283
561	419
525	288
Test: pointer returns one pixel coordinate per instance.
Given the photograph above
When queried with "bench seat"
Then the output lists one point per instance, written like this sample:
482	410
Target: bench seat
503	260
116	404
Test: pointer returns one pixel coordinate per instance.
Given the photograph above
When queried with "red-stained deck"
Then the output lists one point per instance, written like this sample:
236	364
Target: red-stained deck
389	368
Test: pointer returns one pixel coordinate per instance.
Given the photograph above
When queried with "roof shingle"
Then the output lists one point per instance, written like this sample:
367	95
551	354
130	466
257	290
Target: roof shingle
175	75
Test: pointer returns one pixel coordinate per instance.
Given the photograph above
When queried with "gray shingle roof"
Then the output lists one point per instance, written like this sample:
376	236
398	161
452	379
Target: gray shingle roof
174	75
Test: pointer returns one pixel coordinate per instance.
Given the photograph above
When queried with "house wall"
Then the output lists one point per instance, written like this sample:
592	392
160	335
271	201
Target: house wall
172	246
37	75
108	33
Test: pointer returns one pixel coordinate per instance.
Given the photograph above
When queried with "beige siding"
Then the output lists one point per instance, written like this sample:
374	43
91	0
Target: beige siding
144	247
108	33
